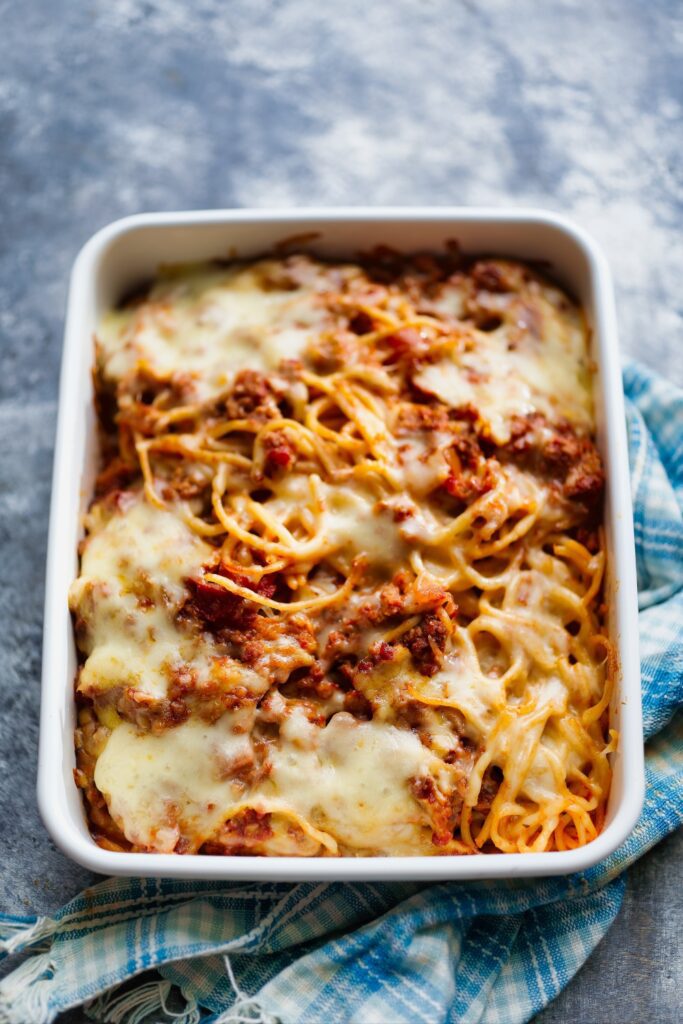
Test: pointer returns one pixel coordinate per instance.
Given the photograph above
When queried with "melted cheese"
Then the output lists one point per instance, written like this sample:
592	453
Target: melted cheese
353	523
462	684
350	779
540	782
502	378
387	684
522	736
133	581
422	462
139	540
357	524
162	787
209	323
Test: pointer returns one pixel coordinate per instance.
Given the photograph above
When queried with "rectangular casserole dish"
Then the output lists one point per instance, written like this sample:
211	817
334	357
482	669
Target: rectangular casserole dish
128	252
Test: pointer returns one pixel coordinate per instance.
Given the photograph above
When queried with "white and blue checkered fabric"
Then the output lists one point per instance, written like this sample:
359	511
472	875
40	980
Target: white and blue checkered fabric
364	953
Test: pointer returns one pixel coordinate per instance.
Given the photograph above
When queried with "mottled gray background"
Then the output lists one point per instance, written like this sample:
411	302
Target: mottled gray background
109	107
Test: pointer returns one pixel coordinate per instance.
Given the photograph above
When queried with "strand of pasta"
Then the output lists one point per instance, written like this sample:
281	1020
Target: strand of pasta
308	604
280	808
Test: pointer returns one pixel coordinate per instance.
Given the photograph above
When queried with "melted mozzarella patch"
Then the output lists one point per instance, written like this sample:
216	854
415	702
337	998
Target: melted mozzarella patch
139	540
349	779
356	523
422	462
352	779
208	323
504	375
160	788
132	583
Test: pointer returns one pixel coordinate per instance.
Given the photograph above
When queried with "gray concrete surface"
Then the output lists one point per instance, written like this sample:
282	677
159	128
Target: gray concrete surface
108	108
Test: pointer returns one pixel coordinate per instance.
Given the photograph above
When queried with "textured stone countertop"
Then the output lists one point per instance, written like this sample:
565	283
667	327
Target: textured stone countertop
109	108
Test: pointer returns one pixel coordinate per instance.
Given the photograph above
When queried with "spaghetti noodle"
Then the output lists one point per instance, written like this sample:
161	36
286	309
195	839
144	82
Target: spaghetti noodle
341	591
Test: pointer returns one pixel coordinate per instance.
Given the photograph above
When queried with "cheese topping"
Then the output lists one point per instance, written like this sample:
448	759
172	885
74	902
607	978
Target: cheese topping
502	379
179	782
162	787
210	323
132	585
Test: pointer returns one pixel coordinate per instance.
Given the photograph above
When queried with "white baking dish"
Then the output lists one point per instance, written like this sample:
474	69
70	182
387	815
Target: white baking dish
128	252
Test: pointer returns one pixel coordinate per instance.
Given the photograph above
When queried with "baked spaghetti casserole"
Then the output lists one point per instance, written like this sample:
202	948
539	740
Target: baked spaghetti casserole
340	592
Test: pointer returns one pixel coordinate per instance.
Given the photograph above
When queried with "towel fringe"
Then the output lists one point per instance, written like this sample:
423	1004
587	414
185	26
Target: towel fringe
25	993
245	1009
136	1005
16	937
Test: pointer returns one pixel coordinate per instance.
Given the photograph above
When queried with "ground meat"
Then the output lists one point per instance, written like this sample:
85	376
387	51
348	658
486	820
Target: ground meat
408	596
378	652
493	277
342	668
560	453
585	480
468	450
415	273
405	596
415	417
407	344
250	822
280	453
388	602
590	538
274	647
218	608
241	834
116	476
182	480
357	704
454	437
252	397
426	642
465	487
442	810
524	439
467	413
309	683
474	474
152	713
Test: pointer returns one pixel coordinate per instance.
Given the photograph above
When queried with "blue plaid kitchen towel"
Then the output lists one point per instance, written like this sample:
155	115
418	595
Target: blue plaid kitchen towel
365	953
